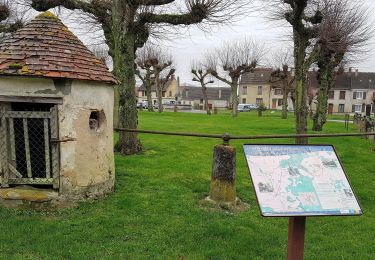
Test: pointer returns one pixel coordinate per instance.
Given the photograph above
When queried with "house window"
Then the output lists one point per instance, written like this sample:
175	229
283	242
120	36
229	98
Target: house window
244	101
163	94
259	101
244	90
359	95
331	95
341	108
357	108
260	90
201	101
278	92
280	102
342	95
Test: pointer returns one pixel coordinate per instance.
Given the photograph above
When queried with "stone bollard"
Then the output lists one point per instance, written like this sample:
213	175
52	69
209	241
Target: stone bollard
223	180
175	109
215	111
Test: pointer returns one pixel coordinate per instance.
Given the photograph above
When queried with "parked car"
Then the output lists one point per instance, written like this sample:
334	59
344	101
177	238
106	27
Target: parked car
142	104
244	108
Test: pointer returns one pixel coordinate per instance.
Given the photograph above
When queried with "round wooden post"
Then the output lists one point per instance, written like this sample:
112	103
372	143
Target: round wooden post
223	180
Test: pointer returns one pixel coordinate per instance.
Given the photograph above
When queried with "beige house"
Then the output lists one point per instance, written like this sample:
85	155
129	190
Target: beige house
56	113
256	88
169	93
353	92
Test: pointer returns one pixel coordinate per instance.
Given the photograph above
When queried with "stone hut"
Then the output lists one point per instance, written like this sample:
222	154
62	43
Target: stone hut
56	114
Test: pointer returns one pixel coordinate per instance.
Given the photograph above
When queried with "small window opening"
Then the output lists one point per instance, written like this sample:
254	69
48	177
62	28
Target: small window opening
97	120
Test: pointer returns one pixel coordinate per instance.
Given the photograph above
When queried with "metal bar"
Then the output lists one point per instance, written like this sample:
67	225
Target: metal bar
22	114
12	140
55	147
46	148
251	137
3	149
26	181
27	147
14	171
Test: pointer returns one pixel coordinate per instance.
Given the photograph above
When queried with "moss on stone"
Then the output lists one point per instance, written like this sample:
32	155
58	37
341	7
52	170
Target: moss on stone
47	15
15	66
223	191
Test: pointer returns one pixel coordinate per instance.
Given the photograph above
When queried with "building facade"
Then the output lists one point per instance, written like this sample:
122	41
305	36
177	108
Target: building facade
352	92
169	93
193	96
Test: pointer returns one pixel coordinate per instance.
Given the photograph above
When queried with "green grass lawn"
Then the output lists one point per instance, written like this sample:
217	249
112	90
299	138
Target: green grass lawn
155	212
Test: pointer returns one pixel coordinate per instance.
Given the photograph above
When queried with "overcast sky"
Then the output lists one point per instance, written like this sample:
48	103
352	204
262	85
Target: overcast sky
185	46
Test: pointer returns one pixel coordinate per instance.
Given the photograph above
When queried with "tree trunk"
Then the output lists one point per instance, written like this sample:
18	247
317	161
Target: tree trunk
124	69
204	92
301	109
150	106
160	98
320	116
284	114
234	88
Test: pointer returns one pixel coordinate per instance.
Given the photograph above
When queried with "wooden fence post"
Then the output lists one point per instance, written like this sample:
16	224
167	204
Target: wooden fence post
223	180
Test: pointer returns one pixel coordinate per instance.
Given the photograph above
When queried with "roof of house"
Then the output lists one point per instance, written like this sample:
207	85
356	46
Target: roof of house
195	93
46	48
355	80
259	76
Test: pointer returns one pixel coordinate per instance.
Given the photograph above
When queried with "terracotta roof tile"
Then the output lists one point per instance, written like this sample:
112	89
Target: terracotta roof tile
46	48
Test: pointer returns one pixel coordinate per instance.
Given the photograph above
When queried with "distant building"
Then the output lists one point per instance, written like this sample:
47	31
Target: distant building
353	92
256	88
169	93
217	97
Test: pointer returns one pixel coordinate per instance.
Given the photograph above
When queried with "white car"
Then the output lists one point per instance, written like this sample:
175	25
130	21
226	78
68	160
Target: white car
244	108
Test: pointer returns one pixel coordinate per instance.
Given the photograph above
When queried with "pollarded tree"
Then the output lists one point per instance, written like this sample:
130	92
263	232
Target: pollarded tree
235	59
198	69
145	71
163	70
304	16
343	34
127	26
283	76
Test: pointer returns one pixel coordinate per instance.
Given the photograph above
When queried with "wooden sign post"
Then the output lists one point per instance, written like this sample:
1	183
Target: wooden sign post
300	181
296	238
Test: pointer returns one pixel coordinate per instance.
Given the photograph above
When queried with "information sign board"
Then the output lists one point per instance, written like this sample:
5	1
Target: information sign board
300	180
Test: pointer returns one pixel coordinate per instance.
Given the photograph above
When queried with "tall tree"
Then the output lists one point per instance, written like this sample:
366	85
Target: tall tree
127	26
235	59
145	58
163	70
200	75
282	75
343	33
304	16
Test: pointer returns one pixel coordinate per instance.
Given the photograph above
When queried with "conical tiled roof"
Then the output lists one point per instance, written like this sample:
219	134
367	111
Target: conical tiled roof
46	48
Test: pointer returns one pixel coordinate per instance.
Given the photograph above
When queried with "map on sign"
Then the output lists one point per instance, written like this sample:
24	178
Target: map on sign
300	180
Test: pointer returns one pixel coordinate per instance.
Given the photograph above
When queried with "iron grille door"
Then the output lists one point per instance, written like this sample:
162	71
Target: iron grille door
27	154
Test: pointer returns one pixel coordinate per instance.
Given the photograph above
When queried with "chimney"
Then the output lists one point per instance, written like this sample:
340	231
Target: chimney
350	69
219	93
356	73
